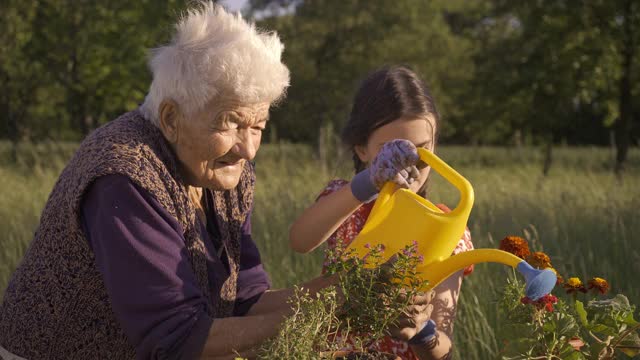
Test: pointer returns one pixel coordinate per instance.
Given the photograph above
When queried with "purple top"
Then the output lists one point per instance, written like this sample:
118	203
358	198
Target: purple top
139	249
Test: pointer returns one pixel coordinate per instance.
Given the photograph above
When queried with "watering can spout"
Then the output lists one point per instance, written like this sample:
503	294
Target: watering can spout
538	282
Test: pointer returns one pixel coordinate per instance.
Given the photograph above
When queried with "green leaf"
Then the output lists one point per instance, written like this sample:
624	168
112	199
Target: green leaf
603	329
629	320
596	348
549	326
520	346
618	303
567	352
630	345
582	313
575	355
567	325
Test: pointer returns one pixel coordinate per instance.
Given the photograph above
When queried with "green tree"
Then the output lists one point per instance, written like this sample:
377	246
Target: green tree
331	45
95	54
17	75
70	65
554	65
619	23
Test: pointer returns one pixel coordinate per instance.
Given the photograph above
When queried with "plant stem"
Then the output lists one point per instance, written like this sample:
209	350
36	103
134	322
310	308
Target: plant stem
625	334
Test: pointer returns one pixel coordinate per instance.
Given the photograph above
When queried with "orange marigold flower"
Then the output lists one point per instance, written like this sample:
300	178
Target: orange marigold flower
599	285
515	245
539	260
573	285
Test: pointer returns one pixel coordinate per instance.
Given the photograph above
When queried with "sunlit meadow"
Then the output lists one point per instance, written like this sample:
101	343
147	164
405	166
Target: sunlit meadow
580	214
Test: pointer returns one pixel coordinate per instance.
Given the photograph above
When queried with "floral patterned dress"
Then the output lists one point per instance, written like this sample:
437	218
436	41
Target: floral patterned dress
351	227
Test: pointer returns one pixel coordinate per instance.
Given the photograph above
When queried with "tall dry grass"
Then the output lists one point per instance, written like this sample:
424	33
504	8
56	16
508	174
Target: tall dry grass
580	214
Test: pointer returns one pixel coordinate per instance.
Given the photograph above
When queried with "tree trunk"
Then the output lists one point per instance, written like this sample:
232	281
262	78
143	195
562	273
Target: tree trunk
76	95
623	124
5	111
76	109
548	157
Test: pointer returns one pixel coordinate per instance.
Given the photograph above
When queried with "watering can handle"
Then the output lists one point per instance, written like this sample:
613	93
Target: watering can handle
463	186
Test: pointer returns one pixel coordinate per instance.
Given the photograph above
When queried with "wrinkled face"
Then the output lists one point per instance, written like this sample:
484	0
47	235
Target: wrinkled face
419	131
213	145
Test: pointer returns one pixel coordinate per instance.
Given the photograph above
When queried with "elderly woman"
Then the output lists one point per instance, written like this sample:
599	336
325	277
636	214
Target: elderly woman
144	248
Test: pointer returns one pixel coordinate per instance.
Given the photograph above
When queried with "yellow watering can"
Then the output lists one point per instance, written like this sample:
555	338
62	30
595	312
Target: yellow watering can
400	217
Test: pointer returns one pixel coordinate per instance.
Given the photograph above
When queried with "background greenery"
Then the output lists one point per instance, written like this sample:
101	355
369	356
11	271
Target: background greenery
580	214
503	72
526	90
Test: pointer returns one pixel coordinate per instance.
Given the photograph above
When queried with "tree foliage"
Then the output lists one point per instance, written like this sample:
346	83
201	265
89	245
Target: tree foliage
502	72
69	66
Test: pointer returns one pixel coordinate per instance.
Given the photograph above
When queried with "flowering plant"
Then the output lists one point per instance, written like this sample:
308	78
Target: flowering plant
577	323
368	299
375	293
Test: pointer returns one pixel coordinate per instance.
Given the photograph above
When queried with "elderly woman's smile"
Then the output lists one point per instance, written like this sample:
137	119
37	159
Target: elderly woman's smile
228	165
213	144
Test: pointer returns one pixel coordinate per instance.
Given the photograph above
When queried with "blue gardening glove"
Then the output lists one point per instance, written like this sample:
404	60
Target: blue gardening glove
395	162
425	335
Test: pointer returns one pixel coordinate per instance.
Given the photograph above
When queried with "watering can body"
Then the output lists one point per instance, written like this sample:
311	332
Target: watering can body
400	217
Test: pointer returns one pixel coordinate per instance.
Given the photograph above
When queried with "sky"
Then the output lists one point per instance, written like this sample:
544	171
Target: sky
234	5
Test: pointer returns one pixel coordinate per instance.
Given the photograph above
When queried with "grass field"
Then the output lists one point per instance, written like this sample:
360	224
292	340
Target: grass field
586	220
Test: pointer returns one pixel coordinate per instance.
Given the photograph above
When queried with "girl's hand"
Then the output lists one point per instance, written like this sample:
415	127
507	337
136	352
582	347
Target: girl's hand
395	162
414	317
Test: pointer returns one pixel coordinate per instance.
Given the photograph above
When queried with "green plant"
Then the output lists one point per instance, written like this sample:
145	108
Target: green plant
313	327
563	327
368	299
375	293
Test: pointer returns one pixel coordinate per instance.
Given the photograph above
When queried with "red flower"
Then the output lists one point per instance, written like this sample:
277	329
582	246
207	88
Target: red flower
546	302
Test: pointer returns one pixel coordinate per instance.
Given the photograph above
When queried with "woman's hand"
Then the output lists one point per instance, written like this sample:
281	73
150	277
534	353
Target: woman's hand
395	162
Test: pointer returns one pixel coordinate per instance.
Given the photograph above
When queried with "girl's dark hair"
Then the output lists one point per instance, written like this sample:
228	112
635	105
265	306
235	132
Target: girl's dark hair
386	95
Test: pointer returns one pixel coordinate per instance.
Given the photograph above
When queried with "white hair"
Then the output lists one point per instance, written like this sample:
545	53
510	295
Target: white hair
215	53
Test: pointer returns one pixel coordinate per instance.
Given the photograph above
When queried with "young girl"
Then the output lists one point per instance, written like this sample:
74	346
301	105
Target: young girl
393	113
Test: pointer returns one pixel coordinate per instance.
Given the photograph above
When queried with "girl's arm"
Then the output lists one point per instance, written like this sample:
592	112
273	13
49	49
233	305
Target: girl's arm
395	162
444	312
322	219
